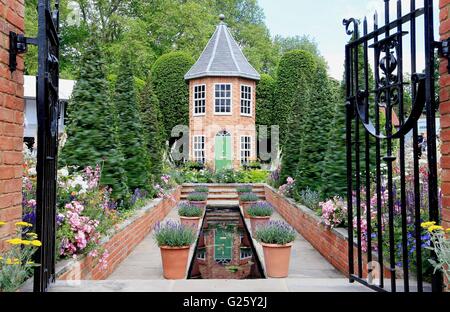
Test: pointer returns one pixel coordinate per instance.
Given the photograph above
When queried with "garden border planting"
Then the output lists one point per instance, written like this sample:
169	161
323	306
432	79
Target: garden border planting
121	242
331	243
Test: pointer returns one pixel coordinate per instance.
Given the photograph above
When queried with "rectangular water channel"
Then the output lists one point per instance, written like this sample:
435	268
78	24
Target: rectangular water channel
224	248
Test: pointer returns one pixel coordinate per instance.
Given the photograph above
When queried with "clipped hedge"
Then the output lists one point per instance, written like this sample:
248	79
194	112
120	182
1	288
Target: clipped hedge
171	88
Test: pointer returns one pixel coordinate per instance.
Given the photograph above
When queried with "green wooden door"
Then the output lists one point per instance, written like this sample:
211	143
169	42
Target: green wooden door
222	151
223	246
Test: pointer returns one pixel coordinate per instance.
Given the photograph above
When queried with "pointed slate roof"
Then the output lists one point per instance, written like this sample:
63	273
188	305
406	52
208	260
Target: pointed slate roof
222	57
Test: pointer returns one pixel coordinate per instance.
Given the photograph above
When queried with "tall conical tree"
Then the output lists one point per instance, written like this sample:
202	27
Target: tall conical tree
91	133
315	133
130	128
153	127
334	175
305	67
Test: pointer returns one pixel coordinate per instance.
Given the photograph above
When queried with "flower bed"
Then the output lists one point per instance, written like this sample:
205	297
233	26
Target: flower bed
120	242
331	243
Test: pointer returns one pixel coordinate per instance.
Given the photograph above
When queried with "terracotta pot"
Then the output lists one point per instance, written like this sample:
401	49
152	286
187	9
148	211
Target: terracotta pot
276	258
174	261
200	204
190	221
256	222
245	206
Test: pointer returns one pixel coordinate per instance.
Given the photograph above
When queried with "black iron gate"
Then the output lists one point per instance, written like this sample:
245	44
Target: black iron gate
391	168
47	103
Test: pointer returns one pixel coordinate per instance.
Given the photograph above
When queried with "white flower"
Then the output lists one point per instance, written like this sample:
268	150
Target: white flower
32	171
64	172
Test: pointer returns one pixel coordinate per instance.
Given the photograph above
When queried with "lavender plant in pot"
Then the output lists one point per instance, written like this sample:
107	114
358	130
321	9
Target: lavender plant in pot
198	199
174	241
247	200
190	215
260	214
277	238
201	189
242	189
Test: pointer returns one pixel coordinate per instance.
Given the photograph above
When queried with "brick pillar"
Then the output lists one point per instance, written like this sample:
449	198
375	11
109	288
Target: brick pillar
11	120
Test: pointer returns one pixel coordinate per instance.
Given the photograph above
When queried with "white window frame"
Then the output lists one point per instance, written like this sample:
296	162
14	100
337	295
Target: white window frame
250	100
231	99
199	99
241	150
196	150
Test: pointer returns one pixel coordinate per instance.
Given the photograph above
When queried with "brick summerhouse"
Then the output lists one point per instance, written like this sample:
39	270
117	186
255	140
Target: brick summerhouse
222	88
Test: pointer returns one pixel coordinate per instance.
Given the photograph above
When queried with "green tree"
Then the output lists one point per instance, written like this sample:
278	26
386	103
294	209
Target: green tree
294	74
171	89
265	94
294	91
91	133
153	127
334	175
316	128
130	128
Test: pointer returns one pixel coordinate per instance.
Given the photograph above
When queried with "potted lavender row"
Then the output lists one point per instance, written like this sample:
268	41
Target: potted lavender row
260	214
190	215
247	200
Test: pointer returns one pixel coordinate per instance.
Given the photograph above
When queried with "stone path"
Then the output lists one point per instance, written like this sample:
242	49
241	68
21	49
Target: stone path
142	271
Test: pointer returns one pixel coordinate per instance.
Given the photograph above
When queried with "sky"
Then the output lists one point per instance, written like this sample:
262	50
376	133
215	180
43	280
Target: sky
322	21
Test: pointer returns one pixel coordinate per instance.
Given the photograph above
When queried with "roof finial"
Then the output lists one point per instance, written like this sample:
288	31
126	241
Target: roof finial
222	17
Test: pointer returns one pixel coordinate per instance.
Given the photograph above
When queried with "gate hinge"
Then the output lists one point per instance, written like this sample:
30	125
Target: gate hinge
18	44
443	49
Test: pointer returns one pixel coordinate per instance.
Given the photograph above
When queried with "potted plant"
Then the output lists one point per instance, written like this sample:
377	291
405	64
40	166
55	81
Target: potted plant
242	189
277	239
260	214
190	215
201	189
198	199
174	241
247	200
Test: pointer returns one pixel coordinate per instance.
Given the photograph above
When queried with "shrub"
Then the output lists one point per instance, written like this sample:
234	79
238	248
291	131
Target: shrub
130	129
173	234
197	197
253	176
248	197
276	232
244	189
309	198
194	165
188	210
152	122
288	188
171	89
440	246
260	209
201	189
91	131
265	100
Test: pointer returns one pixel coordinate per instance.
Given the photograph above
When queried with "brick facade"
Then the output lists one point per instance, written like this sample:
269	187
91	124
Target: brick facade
11	120
210	123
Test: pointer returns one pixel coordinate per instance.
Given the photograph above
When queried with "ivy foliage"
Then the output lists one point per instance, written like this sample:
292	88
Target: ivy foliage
130	128
171	89
91	130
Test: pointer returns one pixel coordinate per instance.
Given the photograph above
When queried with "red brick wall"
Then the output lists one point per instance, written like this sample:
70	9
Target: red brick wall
121	244
11	120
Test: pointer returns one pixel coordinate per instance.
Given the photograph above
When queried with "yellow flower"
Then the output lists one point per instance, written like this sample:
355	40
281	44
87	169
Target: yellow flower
426	225
1	258
14	241
24	224
447	231
32	235
26	242
10	261
30	262
2	223
435	228
36	243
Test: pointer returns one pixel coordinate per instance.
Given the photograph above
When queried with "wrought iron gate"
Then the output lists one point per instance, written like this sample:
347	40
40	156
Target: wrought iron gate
47	102
392	187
